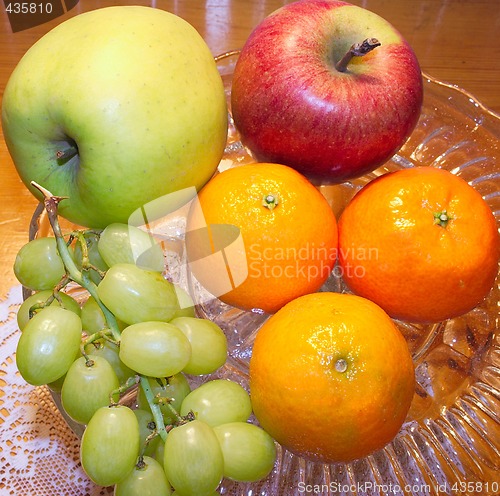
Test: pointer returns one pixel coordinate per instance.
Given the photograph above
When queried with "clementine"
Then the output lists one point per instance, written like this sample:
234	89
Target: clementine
287	230
421	243
331	377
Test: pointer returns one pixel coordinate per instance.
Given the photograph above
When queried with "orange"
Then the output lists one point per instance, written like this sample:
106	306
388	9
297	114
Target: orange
284	241
331	377
421	243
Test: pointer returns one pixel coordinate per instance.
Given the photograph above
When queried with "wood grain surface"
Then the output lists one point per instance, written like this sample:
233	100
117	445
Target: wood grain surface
455	40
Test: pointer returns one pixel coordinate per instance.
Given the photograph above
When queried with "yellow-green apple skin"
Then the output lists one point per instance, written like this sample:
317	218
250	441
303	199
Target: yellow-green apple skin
135	92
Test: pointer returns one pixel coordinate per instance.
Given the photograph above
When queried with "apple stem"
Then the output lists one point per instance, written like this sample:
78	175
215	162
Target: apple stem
357	50
63	156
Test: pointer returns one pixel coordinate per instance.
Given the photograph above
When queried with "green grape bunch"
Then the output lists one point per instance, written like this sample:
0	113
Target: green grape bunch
134	331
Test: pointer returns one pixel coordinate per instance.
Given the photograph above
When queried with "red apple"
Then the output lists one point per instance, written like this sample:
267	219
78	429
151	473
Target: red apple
294	103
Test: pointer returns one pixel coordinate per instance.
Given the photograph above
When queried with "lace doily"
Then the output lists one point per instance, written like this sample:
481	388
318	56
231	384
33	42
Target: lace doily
39	454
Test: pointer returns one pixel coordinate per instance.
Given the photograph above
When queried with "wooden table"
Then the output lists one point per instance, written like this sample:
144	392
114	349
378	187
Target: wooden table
456	41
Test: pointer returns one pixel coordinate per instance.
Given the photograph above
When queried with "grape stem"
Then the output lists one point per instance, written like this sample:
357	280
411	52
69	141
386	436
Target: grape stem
82	278
50	203
148	439
116	393
80	237
168	403
155	407
102	334
54	296
140	465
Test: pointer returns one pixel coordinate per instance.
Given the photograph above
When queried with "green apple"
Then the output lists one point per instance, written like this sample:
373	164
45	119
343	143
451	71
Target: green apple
115	108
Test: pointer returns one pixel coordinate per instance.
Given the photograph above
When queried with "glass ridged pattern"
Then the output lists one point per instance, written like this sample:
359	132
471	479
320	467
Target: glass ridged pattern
450	441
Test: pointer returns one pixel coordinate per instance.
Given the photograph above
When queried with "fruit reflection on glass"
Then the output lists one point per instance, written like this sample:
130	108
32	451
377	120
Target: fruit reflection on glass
433	241
331	377
114	108
326	87
288	233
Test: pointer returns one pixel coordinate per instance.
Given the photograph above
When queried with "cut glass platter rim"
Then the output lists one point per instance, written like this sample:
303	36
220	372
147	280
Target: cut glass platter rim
450	441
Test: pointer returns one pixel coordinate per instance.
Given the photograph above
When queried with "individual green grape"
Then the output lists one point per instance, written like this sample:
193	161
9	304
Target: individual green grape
122	243
147	479
186	304
48	345
41	297
87	387
56	386
146	429
95	259
219	401
109	351
208	344
159	452
249	452
136	295
110	445
193	459
38	265
155	349
93	319
175	388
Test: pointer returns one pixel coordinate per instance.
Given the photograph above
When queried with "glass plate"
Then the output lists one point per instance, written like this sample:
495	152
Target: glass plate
450	441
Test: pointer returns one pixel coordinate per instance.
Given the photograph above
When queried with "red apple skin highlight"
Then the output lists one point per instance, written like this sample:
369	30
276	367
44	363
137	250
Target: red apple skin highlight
292	106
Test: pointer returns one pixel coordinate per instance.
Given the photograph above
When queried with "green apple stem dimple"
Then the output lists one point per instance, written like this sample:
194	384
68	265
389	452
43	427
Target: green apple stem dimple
64	155
357	50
